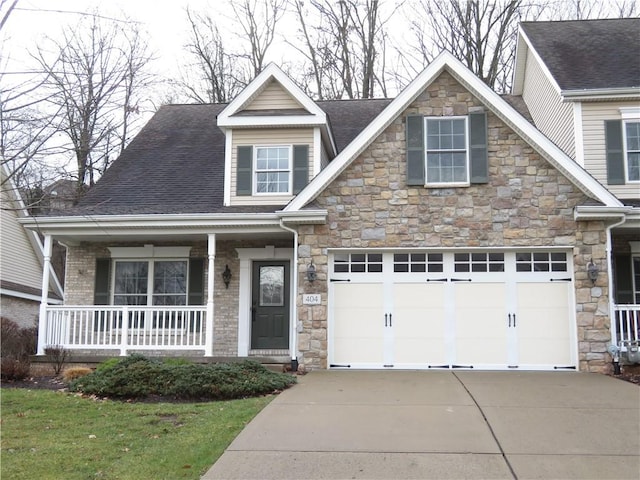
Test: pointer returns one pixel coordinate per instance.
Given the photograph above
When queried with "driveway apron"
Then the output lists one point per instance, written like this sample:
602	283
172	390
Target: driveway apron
442	425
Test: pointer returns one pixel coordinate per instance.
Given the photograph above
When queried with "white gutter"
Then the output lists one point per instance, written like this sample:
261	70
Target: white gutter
609	248
600	94
294	323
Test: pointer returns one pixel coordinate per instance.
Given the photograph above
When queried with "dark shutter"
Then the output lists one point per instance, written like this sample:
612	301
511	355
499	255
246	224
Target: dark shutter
101	290
623	279
196	281
615	154
300	167
415	150
479	164
244	171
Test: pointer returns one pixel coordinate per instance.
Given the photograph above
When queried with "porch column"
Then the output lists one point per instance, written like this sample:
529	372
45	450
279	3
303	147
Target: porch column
211	274
44	294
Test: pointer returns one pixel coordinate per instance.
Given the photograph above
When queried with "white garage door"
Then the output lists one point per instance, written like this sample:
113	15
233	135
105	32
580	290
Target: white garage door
488	310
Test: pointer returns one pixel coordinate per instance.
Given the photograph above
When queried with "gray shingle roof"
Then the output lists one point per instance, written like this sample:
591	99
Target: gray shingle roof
176	163
589	54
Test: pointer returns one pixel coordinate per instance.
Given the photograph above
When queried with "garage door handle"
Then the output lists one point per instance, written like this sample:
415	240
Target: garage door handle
385	319
460	279
514	319
390	324
509	319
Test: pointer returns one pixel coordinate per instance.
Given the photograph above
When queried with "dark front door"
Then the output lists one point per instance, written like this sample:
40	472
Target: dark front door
270	305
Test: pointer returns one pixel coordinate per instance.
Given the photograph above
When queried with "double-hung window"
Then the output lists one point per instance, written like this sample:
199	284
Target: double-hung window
447	157
150	282
272	170
632	150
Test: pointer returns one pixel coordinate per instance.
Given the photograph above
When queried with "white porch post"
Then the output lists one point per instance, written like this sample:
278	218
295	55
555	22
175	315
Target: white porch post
211	254
44	294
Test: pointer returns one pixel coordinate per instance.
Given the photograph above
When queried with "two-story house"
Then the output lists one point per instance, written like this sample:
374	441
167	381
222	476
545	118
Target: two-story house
581	83
439	229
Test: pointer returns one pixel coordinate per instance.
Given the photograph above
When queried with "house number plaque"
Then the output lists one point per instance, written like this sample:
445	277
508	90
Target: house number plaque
311	299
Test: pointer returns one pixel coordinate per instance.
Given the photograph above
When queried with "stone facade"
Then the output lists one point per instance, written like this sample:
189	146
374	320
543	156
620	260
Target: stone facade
526	203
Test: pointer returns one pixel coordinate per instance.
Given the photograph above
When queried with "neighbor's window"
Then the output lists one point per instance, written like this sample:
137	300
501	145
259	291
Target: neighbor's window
273	169
166	280
632	150
447	155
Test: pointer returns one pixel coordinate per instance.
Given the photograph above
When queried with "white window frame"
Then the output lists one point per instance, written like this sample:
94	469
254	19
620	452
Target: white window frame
467	181
257	171
627	151
150	277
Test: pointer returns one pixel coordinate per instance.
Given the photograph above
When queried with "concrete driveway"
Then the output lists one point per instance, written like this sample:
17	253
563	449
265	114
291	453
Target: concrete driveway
442	425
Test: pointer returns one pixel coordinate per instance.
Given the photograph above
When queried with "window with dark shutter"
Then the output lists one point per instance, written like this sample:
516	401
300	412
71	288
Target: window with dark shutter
196	281
244	173
101	292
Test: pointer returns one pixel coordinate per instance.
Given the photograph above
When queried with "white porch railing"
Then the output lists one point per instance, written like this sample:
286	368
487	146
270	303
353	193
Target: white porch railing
626	324
125	328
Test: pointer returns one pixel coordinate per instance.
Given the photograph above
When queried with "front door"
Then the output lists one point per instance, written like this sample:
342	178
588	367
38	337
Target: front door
270	305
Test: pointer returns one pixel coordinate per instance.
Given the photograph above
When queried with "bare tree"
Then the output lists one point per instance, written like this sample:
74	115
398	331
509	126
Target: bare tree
343	42
216	81
258	20
591	9
93	77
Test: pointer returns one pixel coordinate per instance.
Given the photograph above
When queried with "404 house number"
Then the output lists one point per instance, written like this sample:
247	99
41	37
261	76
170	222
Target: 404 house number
311	299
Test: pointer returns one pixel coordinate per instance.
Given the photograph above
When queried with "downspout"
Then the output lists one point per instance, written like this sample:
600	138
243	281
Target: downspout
294	322
615	353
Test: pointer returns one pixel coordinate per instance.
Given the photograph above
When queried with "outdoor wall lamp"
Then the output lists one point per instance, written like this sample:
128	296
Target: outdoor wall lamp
592	271
311	272
226	276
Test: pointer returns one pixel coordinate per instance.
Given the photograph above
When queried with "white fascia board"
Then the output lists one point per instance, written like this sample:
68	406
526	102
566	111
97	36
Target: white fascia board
228	150
28	296
490	99
579	133
520	64
276	121
257	84
610	94
304	216
149	222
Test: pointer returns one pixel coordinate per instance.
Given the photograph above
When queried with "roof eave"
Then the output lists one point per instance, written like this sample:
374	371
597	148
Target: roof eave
624	93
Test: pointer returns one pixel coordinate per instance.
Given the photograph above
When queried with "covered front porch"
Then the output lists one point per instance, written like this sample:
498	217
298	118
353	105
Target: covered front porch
172	290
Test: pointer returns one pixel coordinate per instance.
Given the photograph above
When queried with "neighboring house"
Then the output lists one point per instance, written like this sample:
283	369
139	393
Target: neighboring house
581	83
21	262
439	229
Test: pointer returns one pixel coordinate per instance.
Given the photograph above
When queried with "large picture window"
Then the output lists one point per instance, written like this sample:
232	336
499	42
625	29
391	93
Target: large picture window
632	150
447	151
150	282
273	169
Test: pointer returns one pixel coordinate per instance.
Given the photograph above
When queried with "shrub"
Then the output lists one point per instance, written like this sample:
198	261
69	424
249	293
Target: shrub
17	344
107	364
59	355
75	372
137	377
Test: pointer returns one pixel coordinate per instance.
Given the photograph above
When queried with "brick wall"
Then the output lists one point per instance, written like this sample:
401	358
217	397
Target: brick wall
526	203
22	311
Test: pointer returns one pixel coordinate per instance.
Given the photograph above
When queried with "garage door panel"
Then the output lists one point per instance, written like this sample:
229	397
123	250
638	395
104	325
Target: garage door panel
543	326
419	324
358	323
481	324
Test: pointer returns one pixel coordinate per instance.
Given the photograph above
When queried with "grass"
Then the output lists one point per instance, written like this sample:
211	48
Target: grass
53	435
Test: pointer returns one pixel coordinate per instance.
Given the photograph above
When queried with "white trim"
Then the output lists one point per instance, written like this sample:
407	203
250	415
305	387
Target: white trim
625	150
467	159
579	133
630	113
596	94
271	71
255	171
228	152
552	153
246	257
149	251
28	296
541	63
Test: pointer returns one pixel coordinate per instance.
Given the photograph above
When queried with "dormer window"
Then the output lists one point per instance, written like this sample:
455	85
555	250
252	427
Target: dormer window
272	168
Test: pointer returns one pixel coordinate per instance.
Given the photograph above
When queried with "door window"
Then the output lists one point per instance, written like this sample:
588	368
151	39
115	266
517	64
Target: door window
272	286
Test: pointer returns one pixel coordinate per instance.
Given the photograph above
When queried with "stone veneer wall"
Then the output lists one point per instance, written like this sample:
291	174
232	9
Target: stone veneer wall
80	282
526	203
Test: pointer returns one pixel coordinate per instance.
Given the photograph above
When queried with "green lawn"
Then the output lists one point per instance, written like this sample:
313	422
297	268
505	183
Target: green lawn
53	435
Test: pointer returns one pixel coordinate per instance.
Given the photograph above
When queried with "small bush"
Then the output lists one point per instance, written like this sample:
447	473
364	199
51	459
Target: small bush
107	364
75	372
59	355
17	344
138	377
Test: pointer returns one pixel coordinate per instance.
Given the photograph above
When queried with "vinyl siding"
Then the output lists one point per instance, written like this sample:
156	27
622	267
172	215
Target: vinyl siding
593	117
268	136
550	115
19	263
273	97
